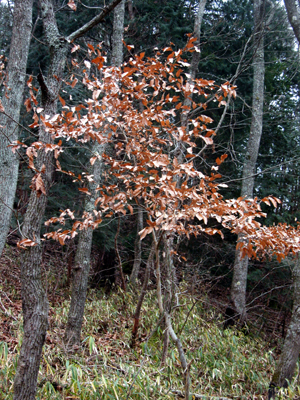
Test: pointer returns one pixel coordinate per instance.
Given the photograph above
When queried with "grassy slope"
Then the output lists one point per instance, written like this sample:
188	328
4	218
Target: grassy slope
222	364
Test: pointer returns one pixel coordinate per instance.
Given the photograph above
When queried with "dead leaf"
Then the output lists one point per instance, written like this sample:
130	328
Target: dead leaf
1	107
72	5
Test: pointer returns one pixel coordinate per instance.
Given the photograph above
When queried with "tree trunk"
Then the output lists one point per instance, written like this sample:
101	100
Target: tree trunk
81	269
34	299
169	289
16	74
117	37
289	356
293	16
167	319
193	69
141	298
80	274
83	254
137	248
197	34
239	281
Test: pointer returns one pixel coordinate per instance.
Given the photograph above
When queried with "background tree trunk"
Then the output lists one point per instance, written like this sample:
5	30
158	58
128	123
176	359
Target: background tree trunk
290	352
137	313
137	248
117	37
293	13
16	74
240	272
83	254
80	274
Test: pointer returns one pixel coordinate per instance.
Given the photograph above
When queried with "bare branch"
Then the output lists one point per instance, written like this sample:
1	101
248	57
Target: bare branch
93	22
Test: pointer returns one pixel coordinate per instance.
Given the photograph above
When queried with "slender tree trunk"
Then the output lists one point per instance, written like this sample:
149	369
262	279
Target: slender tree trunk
138	243
289	356
197	34
117	37
130	9
123	283
83	254
169	243
167	318
193	69
81	269
240	272
34	299
12	102
141	298
169	289
137	248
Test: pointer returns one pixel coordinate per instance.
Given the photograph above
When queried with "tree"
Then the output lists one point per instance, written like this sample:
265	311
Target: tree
286	365
10	111
34	299
240	271
177	199
144	166
82	259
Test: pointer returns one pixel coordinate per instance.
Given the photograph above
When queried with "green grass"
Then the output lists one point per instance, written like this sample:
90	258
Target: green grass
227	364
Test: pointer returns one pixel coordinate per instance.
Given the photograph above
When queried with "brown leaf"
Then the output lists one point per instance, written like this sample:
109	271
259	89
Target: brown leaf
84	190
39	184
93	159
72	5
22	244
1	107
62	100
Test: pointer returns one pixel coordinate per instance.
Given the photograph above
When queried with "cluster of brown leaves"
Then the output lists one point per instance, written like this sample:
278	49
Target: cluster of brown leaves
141	111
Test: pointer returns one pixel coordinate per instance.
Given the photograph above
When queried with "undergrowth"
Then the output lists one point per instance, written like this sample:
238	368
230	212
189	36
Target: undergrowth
222	363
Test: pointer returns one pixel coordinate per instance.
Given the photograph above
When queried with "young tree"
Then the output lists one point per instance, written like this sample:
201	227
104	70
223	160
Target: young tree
144	169
34	299
240	269
175	197
10	111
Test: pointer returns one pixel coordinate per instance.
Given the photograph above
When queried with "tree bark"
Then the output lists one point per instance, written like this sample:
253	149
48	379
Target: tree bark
34	299
293	12
240	271
12	102
289	356
83	254
197	34
80	271
117	37
193	69
137	313
167	319
137	248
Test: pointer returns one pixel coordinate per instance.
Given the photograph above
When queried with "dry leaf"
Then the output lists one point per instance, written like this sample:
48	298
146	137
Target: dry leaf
72	5
1	107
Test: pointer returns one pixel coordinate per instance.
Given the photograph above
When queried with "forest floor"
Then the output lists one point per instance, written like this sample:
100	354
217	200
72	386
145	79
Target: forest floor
223	364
